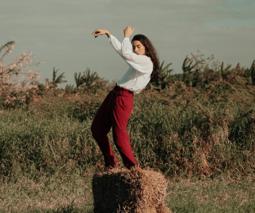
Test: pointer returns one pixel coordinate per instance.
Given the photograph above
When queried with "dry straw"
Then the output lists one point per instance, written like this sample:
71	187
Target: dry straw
136	191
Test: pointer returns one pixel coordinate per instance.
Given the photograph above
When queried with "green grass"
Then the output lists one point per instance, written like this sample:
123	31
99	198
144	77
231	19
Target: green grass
212	195
73	193
58	193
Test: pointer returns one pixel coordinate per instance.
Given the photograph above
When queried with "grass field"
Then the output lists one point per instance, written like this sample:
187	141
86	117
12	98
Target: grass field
73	193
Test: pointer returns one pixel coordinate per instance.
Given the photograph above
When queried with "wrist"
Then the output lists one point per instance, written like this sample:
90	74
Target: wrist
107	34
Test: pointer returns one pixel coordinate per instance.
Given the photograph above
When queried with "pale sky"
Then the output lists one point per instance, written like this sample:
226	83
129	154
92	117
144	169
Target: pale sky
57	32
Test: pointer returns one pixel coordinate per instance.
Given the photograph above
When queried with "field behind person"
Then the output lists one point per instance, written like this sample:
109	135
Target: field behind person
197	127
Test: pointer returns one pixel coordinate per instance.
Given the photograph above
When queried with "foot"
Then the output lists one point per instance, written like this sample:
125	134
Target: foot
136	167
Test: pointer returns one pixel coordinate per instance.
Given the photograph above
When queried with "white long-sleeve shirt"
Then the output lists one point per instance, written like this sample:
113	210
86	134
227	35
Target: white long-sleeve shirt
140	66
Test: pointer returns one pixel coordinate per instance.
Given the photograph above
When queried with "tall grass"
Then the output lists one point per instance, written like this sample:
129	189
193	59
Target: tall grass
206	129
33	145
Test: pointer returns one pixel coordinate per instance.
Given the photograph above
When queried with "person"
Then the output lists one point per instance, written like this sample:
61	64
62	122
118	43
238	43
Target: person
117	107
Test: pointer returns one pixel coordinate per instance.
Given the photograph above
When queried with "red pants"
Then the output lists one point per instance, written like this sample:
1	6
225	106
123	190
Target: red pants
114	113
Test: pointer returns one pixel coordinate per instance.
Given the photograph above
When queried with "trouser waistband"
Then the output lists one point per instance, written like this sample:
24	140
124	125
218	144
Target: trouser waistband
118	88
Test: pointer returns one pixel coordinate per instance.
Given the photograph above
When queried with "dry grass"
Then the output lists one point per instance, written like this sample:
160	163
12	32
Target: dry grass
212	195
136	190
47	194
73	193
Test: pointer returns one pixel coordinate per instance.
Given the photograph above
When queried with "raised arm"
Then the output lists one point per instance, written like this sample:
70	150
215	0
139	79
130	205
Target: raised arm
141	63
115	44
113	40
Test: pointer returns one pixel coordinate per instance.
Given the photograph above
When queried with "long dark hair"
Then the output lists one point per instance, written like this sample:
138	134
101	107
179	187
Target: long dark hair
151	52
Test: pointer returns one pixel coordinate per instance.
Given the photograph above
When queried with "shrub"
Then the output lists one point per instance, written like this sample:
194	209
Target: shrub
89	80
17	83
164	77
242	129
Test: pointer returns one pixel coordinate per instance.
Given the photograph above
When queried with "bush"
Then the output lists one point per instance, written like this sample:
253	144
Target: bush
32	146
18	85
242	129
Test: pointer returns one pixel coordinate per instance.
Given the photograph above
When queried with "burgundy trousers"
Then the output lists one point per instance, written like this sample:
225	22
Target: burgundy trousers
114	113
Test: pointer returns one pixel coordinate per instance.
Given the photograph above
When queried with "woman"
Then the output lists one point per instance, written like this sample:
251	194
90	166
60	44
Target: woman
117	107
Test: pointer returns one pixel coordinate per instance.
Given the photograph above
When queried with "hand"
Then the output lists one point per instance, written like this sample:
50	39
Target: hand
128	31
99	32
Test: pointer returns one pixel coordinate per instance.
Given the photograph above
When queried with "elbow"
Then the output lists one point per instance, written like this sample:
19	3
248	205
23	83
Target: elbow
126	54
123	52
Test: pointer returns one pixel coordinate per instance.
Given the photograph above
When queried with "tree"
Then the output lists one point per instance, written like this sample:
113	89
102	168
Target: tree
86	79
163	76
57	79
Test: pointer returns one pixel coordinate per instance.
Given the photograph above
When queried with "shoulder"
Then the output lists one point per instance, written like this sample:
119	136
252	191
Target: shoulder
147	59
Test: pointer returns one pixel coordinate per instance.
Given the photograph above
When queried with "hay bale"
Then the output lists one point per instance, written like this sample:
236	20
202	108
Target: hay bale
136	191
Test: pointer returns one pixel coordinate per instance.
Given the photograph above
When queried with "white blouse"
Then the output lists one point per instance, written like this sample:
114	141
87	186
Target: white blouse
140	66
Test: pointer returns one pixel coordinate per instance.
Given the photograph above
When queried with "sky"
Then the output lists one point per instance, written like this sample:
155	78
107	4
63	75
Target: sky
58	32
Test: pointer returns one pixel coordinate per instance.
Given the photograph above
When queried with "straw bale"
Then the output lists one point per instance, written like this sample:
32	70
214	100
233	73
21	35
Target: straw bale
135	190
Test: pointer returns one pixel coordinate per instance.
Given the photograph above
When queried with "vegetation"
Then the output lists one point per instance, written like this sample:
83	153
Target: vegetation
163	78
197	124
89	80
252	72
73	194
57	79
18	83
200	123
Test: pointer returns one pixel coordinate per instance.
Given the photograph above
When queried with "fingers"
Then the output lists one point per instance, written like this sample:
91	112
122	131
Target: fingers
129	27
128	31
98	32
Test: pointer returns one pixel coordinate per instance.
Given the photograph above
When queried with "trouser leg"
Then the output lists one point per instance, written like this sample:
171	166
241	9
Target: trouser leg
100	127
122	110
